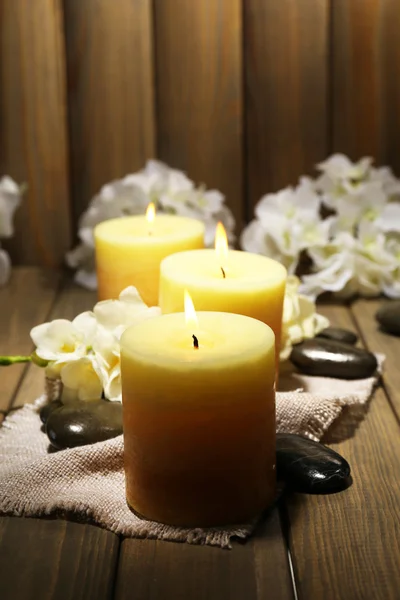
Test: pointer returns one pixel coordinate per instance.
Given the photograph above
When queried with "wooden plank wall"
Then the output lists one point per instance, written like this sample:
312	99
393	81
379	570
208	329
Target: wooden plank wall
244	95
33	126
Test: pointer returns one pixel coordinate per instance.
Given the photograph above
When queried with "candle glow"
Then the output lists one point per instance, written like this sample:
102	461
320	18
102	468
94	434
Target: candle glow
221	247
150	216
191	318
190	313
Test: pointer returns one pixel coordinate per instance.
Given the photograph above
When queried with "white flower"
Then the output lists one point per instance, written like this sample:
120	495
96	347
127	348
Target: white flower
389	218
85	352
290	203
157	179
300	319
349	265
113	317
114	200
207	206
10	199
340	176
83	256
127	310
287	223
368	204
376	266
63	341
391	287
353	251
172	192
5	267
80	380
389	183
107	351
335	268
87	279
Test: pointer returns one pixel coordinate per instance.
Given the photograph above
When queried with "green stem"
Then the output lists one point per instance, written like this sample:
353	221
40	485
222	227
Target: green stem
5	361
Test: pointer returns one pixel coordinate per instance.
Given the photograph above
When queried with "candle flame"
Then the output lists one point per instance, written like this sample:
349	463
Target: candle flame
221	246
190	313
150	213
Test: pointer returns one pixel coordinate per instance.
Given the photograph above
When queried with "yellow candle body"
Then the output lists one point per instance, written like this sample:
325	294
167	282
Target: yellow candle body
199	424
129	251
253	285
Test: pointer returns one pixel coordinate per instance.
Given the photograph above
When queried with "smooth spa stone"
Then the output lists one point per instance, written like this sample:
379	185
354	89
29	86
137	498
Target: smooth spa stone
310	467
48	408
84	423
388	317
326	358
337	334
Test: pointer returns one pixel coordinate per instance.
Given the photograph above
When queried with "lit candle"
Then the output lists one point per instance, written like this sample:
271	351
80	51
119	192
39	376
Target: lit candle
199	417
227	281
129	251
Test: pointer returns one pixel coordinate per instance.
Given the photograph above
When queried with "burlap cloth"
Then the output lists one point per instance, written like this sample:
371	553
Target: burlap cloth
88	482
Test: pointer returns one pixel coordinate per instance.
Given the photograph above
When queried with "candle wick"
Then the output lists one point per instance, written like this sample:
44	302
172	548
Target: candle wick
195	342
223	273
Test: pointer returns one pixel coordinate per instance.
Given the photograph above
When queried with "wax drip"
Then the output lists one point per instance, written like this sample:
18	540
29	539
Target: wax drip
195	342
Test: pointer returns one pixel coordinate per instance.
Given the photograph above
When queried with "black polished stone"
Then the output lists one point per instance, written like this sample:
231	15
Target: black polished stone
339	335
388	316
48	408
83	423
327	358
310	467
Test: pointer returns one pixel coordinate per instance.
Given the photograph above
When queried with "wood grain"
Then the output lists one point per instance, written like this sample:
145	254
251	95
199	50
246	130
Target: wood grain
390	83
110	92
199	92
25	302
71	301
158	570
355	77
286	91
53	559
365	86
377	340
33	127
347	546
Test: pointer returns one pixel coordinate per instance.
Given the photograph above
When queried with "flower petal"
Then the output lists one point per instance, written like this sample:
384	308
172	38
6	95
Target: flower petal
58	340
10	199
5	267
389	219
80	375
87	279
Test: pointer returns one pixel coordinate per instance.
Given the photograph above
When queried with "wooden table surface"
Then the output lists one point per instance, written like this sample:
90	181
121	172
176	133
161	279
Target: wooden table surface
343	546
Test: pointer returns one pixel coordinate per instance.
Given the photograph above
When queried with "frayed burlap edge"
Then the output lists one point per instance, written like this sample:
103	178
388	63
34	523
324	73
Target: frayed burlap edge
215	536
